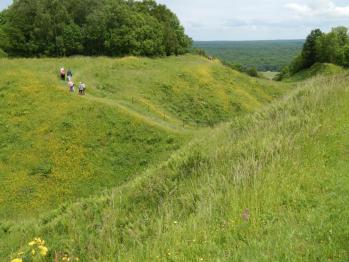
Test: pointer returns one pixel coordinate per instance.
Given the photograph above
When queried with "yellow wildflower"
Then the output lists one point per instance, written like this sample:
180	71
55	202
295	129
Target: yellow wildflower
43	250
31	243
17	260
33	252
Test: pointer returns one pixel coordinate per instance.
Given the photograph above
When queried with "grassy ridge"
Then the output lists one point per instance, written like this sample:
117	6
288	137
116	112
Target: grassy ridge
187	88
315	70
270	186
58	147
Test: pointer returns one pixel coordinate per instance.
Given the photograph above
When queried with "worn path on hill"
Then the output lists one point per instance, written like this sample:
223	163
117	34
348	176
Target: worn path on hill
174	126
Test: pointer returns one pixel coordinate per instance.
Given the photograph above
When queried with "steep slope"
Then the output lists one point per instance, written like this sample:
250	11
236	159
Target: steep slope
269	186
57	147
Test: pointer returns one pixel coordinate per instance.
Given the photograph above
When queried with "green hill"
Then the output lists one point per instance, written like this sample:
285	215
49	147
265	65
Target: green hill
316	69
271	185
58	147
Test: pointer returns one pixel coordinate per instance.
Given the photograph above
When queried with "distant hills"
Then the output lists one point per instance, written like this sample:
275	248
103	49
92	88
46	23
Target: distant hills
269	55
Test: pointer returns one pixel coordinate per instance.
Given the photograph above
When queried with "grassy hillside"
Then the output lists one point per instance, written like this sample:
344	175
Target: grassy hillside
268	186
264	55
187	88
316	69
57	147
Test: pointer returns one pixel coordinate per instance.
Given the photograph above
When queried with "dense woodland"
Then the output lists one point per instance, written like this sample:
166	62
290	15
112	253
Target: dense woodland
90	27
244	55
320	47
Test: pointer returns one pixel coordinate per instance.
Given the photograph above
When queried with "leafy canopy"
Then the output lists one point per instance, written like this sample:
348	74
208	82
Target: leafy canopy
319	47
91	27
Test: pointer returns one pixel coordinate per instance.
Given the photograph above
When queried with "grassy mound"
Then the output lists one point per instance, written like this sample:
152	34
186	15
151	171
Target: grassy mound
317	69
186	88
269	186
57	147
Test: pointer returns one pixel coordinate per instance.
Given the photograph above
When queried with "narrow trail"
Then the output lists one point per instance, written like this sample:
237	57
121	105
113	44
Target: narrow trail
152	121
174	126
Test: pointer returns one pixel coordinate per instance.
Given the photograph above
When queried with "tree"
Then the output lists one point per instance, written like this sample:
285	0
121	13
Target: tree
323	48
346	55
309	53
91	27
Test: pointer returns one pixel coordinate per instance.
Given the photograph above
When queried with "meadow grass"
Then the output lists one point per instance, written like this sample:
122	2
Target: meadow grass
269	186
57	147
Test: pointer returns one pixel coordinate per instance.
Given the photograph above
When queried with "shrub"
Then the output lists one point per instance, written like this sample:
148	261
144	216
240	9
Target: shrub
252	72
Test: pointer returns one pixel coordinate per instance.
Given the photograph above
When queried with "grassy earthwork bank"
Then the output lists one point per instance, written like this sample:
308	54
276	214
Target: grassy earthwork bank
268	185
58	147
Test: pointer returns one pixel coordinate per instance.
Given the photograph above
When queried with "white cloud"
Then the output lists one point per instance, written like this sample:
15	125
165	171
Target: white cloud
255	19
258	19
299	8
319	8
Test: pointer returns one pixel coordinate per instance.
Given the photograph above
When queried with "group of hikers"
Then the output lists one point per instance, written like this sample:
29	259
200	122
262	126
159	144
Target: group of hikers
71	85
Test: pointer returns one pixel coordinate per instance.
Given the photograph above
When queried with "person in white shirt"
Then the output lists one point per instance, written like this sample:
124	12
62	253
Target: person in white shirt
71	86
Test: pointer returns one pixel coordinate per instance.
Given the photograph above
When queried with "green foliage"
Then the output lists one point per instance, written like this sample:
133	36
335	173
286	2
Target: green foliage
271	186
323	48
309	52
252	72
92	27
263	55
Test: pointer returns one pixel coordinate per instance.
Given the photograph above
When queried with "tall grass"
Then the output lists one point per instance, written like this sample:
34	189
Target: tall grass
271	186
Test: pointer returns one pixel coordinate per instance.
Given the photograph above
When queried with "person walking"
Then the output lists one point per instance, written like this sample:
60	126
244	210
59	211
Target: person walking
71	86
69	73
82	88
62	72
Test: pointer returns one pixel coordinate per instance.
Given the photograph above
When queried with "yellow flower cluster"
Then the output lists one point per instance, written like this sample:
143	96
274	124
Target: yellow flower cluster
69	259
38	245
17	260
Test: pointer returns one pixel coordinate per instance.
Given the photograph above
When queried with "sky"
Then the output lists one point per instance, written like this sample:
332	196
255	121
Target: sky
255	19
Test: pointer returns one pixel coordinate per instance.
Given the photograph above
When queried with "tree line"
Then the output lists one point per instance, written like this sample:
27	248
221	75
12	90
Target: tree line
90	27
320	47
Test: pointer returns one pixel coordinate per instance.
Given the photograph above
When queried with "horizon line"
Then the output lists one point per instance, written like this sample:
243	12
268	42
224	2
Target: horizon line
255	40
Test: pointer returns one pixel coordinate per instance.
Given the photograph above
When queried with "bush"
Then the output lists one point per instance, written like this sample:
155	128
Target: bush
252	72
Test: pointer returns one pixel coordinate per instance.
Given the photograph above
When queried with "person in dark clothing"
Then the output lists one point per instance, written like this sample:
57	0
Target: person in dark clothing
62	72
69	73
